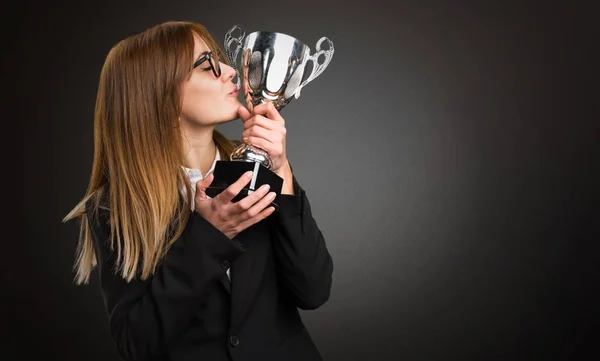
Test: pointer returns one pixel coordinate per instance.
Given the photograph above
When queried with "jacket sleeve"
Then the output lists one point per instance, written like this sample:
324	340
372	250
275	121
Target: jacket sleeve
146	317
305	266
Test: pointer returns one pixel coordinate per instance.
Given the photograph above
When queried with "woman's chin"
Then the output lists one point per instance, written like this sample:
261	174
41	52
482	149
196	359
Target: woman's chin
231	117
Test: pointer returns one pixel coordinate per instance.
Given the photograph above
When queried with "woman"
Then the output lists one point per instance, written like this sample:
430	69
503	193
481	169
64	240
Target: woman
185	276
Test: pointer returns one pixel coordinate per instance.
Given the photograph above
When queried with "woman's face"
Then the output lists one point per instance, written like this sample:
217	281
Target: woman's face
208	100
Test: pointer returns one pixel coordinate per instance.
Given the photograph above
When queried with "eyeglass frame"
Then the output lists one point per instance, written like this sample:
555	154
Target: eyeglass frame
216	69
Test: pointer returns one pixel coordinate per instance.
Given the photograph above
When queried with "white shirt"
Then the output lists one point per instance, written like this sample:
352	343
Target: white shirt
195	175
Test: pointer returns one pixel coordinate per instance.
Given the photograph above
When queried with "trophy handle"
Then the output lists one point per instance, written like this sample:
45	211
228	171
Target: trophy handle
317	68
234	44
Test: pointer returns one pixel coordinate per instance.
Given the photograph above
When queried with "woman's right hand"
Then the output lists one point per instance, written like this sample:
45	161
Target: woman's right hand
232	218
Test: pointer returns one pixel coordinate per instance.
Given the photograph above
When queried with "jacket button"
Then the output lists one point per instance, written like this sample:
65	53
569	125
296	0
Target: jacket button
225	264
234	341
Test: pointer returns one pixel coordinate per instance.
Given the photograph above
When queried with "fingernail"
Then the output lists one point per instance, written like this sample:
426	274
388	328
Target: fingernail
249	174
271	195
265	187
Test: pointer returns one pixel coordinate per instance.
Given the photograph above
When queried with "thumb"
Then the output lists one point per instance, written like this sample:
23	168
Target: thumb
243	113
201	186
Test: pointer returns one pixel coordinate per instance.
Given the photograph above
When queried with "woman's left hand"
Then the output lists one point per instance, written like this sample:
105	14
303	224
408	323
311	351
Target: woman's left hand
265	129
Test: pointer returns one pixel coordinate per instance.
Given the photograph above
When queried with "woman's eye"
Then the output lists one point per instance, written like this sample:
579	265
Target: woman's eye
205	69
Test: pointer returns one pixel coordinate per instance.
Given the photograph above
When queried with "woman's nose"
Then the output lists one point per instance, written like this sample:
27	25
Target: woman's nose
228	72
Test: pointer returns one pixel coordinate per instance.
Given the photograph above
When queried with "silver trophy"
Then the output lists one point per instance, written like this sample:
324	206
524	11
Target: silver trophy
271	67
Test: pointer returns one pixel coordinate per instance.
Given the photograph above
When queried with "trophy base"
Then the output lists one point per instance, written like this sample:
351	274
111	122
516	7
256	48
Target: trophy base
228	172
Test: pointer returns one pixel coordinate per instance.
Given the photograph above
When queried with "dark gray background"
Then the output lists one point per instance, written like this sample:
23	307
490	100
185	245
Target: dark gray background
447	152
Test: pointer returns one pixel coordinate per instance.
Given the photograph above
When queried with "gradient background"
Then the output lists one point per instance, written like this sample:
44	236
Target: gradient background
447	152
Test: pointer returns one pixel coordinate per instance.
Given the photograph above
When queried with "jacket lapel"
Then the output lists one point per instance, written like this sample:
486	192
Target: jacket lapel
247	271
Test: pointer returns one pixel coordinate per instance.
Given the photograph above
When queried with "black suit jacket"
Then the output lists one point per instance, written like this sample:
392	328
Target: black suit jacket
189	310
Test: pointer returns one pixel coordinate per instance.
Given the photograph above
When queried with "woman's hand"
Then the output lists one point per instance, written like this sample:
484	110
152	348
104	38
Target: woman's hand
264	128
232	218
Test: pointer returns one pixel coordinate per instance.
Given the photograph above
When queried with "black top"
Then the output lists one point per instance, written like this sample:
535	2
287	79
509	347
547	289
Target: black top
188	310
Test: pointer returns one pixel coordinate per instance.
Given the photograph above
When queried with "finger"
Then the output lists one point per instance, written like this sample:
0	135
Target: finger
202	184
262	108
260	205
248	201
269	110
262	133
243	113
262	215
234	189
261	121
261	143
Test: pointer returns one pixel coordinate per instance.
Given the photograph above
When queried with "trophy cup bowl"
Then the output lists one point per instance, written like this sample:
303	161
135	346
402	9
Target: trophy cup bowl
272	67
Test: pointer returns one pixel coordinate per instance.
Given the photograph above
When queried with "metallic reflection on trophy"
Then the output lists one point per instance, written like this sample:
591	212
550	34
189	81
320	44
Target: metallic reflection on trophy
272	67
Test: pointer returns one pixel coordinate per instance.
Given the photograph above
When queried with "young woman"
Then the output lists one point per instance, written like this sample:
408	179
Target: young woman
185	276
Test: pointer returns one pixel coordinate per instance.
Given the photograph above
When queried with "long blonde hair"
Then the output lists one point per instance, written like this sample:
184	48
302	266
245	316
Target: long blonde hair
137	149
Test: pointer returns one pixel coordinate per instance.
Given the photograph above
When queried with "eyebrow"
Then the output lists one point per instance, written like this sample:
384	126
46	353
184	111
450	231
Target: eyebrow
201	55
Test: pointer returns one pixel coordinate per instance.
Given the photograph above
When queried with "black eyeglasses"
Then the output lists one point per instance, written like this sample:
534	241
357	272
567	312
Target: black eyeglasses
213	60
